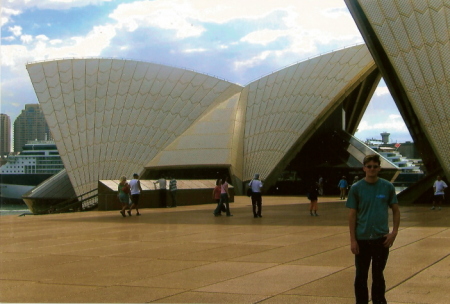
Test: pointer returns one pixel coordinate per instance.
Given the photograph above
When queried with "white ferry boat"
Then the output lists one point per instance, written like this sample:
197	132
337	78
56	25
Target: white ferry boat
38	161
410	169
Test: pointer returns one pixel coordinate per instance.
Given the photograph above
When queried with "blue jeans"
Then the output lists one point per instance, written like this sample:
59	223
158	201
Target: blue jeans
223	200
371	250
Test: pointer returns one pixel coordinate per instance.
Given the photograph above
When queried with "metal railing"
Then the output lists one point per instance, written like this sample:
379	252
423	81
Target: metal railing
83	202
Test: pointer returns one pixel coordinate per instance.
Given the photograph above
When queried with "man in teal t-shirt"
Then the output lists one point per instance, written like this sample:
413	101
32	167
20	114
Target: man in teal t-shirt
369	201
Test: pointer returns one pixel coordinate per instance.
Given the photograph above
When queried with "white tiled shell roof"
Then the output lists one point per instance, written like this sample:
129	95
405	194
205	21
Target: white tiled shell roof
283	105
274	111
113	117
416	38
209	141
110	117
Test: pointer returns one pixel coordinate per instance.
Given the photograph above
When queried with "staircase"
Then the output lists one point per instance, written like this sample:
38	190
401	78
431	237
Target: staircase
84	202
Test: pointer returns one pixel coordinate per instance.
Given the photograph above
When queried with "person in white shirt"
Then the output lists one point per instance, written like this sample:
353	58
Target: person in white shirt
256	186
135	191
439	187
162	191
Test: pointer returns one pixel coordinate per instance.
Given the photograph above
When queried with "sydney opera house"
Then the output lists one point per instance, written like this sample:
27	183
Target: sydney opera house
112	117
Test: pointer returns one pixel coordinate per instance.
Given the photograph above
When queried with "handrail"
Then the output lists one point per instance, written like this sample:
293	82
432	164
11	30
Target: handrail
77	203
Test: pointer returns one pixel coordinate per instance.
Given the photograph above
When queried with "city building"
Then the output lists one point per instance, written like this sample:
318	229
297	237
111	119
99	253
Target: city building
5	136
30	125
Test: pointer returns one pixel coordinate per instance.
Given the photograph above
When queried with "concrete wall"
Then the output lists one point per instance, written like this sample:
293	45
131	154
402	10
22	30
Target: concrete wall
150	198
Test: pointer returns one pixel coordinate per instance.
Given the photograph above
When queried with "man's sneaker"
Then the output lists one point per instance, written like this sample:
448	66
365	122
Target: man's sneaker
432	208
439	208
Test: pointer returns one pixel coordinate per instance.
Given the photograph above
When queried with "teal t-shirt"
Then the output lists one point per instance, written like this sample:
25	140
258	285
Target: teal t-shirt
372	202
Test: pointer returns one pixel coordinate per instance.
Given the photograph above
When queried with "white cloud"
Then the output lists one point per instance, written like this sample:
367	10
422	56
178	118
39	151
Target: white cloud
239	64
16	56
15	30
169	15
391	123
197	50
15	5
55	41
7	13
263	37
9	38
26	39
42	38
381	91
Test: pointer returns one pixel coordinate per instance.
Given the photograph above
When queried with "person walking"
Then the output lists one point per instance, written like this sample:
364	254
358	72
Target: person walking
320	185
173	191
216	196
162	191
369	201
313	195
343	185
224	198
135	189
439	187
256	185
124	194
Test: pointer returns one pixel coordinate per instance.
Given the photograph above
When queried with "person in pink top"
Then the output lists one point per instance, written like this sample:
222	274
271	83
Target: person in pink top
224	198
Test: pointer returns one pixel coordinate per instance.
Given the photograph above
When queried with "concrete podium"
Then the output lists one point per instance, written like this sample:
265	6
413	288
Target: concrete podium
190	192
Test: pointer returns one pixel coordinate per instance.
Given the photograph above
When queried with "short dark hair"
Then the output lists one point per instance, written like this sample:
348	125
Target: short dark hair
372	157
135	175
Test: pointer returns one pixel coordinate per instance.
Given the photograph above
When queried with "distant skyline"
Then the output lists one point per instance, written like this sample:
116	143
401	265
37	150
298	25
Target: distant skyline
239	41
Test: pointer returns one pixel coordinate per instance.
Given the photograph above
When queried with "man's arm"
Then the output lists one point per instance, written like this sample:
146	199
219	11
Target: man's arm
390	237
139	185
352	226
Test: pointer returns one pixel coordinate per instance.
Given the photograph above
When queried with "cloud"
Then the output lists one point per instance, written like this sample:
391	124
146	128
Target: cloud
381	91
197	50
15	30
26	39
7	13
239	64
263	37
41	48
19	5
391	123
168	15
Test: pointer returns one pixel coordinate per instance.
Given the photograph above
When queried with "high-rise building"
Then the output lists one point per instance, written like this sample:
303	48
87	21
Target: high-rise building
5	135
30	125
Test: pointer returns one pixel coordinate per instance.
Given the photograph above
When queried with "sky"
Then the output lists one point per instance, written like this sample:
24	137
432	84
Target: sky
239	41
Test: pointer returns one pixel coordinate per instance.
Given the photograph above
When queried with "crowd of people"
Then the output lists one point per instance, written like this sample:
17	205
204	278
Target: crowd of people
368	202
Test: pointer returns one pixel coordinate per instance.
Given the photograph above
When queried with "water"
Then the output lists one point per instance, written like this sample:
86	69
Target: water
13	209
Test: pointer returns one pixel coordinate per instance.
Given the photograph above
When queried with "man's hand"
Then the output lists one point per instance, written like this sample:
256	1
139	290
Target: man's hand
354	247
390	238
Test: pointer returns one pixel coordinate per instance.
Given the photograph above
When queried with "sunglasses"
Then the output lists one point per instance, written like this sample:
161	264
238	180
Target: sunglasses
374	166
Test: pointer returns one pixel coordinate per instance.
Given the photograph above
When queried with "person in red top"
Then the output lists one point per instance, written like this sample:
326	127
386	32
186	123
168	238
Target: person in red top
216	195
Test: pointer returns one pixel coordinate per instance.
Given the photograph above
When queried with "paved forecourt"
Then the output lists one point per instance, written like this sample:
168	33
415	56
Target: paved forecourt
186	255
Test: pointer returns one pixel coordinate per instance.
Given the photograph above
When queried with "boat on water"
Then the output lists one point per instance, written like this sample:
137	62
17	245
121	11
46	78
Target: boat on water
410	169
38	161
